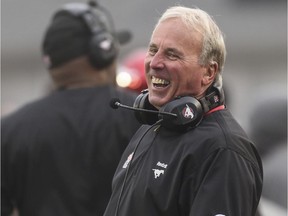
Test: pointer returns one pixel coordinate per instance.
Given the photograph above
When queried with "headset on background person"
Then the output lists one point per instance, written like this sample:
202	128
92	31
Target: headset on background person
103	48
104	42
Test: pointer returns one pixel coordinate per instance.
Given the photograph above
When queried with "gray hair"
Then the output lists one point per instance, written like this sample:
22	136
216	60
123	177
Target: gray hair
213	47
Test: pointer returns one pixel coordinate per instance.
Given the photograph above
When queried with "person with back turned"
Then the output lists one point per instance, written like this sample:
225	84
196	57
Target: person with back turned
60	152
193	158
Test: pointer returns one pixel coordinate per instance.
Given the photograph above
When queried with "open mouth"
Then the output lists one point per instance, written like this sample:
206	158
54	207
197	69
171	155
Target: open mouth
159	83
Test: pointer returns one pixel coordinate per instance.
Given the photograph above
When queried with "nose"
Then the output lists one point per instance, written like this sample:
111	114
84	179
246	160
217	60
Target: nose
157	61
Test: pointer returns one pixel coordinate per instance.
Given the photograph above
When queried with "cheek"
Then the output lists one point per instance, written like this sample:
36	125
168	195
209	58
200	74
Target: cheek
147	61
189	80
147	75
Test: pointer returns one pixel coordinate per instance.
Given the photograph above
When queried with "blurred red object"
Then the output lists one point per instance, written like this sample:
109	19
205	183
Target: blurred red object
131	73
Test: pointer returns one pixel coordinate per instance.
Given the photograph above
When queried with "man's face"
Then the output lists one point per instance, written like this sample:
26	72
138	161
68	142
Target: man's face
171	63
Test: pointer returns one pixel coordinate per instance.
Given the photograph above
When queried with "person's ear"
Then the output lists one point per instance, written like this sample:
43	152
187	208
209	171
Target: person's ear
210	74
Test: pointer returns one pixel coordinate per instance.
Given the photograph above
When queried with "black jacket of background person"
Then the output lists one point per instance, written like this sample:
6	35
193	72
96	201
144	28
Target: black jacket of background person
210	170
59	154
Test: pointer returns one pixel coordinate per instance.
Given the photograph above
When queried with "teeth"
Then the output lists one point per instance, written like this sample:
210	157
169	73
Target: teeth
159	81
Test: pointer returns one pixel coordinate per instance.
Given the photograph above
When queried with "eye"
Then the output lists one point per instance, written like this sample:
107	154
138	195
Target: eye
172	55
152	51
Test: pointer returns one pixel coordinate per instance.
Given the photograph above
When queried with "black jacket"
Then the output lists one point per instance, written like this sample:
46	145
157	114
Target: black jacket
210	170
59	153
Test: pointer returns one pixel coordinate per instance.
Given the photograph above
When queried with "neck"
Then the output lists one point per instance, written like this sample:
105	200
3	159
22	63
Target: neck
79	73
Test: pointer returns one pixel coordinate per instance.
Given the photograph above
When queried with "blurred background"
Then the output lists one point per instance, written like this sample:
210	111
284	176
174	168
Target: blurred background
255	74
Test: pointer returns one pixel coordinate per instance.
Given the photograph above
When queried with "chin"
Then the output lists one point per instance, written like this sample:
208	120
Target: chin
157	101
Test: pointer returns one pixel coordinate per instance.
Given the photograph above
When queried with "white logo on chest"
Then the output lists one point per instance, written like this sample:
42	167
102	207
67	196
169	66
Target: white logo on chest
158	172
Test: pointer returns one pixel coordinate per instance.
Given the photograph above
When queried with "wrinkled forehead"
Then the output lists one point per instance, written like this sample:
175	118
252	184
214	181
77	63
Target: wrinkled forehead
186	26
174	30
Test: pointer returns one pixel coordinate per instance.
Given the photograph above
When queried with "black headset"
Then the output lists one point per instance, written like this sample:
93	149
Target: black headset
189	110
103	46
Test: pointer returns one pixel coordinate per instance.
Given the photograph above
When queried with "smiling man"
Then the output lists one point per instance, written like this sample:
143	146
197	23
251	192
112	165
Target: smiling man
200	163
170	58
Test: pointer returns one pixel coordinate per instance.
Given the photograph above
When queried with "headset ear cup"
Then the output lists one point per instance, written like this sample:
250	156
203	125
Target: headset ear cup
103	50
189	113
142	102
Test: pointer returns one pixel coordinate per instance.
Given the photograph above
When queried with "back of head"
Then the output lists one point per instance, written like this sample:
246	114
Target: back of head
80	29
213	48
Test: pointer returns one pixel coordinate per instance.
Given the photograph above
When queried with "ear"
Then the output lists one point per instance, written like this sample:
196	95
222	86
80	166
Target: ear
210	74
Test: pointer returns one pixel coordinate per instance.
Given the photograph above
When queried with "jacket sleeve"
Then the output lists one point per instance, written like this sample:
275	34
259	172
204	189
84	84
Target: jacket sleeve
6	202
225	184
